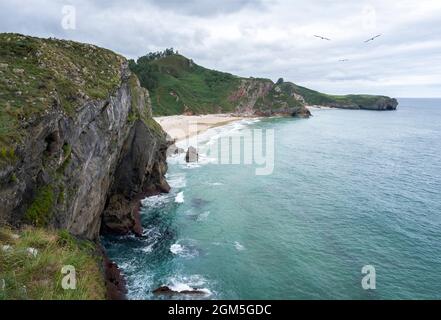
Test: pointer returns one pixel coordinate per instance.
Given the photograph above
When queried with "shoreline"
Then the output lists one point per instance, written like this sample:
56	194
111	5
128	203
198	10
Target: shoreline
318	107
181	127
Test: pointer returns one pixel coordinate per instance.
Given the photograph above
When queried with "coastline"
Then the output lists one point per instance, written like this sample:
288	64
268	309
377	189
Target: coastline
181	127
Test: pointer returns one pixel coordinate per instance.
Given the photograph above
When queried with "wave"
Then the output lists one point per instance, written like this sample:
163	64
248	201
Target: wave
215	184
177	180
176	248
182	283
204	140
238	246
180	197
184	249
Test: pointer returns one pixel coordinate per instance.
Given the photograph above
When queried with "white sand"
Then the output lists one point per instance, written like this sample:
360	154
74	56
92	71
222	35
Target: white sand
317	107
180	127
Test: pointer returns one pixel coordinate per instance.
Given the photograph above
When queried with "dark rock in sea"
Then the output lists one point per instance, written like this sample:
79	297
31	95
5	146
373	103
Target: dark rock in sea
164	290
192	155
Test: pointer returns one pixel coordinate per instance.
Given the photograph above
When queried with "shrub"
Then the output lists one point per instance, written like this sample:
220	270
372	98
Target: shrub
40	211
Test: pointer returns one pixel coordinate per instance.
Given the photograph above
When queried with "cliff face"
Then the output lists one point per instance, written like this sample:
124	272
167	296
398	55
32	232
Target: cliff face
180	86
264	98
351	101
379	103
79	160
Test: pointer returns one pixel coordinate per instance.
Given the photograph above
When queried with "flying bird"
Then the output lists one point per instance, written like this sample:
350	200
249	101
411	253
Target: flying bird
373	38
323	38
343	60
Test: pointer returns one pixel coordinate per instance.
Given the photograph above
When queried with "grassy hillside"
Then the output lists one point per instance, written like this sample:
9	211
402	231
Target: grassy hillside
178	85
37	274
36	74
317	98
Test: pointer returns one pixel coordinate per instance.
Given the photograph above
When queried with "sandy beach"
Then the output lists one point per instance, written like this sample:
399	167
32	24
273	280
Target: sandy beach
181	127
317	107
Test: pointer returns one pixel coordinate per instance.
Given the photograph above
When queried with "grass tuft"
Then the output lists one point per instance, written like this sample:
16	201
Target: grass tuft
40	211
40	277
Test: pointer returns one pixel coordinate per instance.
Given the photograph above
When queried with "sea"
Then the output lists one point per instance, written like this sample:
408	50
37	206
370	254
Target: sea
347	206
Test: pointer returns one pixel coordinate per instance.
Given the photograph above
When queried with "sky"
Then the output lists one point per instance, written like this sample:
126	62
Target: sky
261	38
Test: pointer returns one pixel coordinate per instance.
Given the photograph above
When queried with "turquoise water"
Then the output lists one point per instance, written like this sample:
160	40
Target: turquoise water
349	188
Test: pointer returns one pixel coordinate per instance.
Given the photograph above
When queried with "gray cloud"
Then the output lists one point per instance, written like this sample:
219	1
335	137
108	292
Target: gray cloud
264	38
207	8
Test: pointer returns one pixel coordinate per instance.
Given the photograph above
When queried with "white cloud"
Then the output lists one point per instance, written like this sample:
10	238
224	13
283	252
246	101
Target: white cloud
265	38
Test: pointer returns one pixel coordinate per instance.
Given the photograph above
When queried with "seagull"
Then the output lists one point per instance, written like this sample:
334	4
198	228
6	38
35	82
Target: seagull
373	38
343	60
323	38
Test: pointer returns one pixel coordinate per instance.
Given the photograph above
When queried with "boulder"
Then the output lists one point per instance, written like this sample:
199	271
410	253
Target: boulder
164	290
192	155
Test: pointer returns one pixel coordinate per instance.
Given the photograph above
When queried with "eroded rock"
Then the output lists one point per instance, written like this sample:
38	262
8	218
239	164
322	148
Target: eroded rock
192	155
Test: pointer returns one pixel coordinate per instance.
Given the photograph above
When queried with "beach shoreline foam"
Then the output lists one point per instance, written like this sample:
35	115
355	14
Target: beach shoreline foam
181	127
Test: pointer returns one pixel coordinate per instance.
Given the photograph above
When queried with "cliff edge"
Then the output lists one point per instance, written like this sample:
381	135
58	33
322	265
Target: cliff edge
79	147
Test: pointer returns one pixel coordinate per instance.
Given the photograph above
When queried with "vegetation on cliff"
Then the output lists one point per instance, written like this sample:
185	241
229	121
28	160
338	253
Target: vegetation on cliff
312	97
36	74
178	85
31	262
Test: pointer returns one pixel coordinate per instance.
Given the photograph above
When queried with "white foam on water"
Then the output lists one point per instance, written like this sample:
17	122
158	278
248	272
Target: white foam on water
180	197
156	201
204	140
216	184
176	248
184	248
182	283
138	285
177	180
238	246
147	249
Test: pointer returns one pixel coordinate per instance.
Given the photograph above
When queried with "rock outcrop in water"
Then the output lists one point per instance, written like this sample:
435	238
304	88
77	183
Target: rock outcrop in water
85	148
192	155
164	290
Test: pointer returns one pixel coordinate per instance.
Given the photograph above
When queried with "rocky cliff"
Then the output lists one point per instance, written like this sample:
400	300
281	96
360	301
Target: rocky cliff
180	86
79	147
351	101
262	97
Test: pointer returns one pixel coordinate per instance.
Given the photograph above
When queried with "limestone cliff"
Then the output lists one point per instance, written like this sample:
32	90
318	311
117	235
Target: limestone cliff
79	146
264	98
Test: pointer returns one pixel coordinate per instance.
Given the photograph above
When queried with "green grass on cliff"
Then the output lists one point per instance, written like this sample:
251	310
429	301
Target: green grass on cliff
313	97
36	74
25	276
40	211
178	85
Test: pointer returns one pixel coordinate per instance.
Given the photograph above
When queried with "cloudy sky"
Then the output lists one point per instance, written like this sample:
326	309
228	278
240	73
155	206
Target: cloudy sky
262	38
